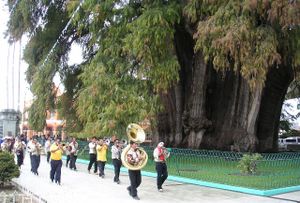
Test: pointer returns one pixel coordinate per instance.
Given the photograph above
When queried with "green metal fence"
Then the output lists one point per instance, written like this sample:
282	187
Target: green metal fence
275	170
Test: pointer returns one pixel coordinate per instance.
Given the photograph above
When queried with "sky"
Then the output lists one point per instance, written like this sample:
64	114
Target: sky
6	68
292	109
7	63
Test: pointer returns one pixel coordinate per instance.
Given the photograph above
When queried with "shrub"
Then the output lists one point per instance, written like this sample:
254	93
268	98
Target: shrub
248	164
8	168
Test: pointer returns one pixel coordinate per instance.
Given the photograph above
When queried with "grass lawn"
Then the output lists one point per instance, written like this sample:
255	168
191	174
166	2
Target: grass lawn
273	171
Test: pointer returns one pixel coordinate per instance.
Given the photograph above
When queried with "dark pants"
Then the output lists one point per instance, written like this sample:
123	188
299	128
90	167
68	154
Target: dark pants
117	165
101	165
48	156
20	157
31	162
55	172
35	163
68	160
135	181
93	160
162	173
73	159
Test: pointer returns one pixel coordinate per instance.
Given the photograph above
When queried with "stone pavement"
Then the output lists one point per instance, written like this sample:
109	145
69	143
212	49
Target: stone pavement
79	186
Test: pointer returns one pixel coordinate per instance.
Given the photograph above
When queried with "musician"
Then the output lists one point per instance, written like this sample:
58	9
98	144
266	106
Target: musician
101	156
93	155
161	166
19	150
134	157
36	156
5	145
73	154
56	150
116	150
68	149
47	148
29	146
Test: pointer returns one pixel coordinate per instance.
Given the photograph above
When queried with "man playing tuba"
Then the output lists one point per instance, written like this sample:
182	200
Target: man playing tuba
133	158
160	155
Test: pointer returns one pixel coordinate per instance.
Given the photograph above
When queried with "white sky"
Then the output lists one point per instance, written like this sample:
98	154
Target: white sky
6	68
12	78
293	110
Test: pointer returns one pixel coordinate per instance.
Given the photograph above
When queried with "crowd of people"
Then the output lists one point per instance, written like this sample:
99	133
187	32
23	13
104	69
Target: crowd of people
54	150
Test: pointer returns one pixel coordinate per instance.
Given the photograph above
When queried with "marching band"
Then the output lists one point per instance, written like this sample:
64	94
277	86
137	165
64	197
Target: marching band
130	156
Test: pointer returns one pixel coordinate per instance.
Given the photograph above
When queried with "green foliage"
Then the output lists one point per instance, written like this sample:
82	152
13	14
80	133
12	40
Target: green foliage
8	168
130	54
150	42
248	164
66	106
284	126
291	133
249	36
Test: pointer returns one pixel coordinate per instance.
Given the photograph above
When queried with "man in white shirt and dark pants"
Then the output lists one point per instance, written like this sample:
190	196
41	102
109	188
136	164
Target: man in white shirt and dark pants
135	177
93	155
161	166
47	148
116	159
73	154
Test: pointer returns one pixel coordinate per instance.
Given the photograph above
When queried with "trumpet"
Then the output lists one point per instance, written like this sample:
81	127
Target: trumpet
166	152
107	141
124	142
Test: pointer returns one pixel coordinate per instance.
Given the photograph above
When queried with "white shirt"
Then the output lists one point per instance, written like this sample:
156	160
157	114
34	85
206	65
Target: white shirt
29	145
35	149
47	146
92	147
74	147
115	152
134	154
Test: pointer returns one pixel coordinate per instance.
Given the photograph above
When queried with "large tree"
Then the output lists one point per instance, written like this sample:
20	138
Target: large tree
206	73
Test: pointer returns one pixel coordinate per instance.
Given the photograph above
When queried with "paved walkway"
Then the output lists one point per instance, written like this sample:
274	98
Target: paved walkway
79	186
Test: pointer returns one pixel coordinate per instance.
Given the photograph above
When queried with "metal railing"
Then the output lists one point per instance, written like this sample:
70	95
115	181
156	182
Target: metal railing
274	170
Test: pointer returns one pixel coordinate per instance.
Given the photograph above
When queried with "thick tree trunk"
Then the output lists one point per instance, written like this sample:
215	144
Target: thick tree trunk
276	86
211	110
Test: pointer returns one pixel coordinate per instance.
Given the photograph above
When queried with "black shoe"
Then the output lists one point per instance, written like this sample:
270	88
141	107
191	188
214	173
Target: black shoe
136	198
129	191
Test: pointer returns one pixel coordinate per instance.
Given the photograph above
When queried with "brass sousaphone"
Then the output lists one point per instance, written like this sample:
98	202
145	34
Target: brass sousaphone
135	133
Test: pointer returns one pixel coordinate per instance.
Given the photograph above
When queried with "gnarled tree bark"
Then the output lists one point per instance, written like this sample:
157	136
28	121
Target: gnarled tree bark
212	110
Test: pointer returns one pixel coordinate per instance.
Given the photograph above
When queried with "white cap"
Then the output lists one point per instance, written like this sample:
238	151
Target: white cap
161	144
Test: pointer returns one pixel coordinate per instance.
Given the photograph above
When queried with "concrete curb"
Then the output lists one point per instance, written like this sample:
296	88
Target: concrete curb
267	193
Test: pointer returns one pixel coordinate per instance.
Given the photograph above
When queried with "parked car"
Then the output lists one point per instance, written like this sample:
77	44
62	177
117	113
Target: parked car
292	140
292	143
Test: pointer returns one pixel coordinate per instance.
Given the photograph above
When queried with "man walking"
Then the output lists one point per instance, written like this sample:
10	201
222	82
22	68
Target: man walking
93	155
73	154
116	159
56	150
135	177
160	156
